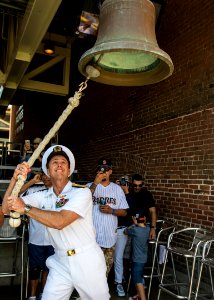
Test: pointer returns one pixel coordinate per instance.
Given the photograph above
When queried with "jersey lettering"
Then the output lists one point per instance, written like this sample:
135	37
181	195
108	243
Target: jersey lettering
104	200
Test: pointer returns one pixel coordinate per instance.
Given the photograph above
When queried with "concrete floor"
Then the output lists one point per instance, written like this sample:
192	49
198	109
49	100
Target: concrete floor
13	293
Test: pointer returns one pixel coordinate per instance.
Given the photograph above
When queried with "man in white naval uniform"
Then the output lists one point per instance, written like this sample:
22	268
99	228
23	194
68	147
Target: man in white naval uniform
39	248
78	261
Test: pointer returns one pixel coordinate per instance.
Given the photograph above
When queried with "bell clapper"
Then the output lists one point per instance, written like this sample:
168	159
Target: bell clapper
92	72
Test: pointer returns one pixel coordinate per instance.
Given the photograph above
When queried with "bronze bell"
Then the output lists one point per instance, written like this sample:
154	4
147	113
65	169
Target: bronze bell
126	52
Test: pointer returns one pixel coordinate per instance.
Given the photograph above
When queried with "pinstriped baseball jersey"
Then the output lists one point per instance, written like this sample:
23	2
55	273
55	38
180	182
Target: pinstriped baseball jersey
106	224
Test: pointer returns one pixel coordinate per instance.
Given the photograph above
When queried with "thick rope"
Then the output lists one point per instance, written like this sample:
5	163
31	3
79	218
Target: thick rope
15	220
91	71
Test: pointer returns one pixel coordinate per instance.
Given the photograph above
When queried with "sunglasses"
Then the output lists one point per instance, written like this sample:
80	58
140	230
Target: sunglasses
137	185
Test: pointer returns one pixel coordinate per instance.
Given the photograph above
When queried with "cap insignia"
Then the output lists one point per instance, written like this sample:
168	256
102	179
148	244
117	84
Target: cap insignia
57	149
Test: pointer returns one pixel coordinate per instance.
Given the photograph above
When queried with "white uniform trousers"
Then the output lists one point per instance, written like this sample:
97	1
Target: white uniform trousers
85	271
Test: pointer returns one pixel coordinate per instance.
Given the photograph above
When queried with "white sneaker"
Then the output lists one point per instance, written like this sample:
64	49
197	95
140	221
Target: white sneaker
120	290
32	298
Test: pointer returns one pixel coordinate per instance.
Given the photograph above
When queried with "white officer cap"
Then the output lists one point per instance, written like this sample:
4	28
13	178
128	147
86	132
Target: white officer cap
58	150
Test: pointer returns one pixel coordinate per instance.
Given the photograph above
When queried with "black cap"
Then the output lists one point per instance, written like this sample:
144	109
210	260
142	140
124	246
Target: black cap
140	216
104	162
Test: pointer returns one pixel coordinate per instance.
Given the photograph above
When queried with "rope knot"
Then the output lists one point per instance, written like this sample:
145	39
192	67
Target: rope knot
73	101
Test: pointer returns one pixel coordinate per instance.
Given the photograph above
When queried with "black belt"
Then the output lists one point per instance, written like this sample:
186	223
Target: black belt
120	227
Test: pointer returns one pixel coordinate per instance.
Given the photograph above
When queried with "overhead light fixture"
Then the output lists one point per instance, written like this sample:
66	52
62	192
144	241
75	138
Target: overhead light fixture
126	52
89	23
49	48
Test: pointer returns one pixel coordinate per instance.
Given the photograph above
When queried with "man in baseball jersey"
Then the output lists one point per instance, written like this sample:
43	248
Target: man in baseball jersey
78	261
109	202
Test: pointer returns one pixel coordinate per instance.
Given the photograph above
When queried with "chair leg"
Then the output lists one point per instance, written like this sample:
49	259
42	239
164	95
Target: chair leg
27	279
174	273
15	255
211	280
199	281
162	275
152	271
159	292
188	272
22	267
191	280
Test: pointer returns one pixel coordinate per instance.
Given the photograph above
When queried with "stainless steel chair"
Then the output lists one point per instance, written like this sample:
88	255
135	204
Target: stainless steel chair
16	236
207	263
184	251
164	228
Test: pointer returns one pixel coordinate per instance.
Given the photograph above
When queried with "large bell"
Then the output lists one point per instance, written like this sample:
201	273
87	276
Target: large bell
126	52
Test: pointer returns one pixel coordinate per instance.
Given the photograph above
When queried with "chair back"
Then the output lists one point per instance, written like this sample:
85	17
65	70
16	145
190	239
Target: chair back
167	226
208	251
190	238
6	230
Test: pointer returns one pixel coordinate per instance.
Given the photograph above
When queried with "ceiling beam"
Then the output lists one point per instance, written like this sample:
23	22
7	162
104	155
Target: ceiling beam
29	83
36	20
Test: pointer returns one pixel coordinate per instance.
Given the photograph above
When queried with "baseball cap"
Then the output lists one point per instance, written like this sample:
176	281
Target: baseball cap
104	162
140	216
37	141
58	150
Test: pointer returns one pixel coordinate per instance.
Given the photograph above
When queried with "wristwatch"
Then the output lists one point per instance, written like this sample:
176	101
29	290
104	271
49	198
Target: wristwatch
152	226
27	208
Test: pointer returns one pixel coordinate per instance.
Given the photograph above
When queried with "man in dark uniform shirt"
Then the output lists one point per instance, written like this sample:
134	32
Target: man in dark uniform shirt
139	199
